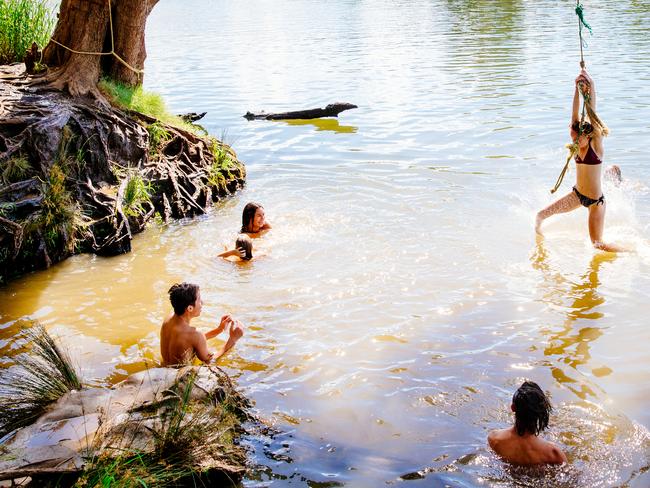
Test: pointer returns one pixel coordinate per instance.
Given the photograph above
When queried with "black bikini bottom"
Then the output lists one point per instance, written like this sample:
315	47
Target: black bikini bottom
586	201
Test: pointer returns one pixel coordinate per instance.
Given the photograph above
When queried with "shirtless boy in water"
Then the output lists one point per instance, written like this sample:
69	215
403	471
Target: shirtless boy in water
180	342
520	444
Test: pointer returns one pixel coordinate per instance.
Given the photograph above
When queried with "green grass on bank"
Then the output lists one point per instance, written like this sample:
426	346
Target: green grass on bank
21	23
152	104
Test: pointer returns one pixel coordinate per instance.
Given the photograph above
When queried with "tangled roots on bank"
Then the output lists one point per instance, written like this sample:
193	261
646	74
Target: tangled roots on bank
76	176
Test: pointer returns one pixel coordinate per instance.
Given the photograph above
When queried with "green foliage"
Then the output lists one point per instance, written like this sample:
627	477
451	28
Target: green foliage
14	169
21	23
152	104
71	160
61	216
137	192
130	469
157	136
222	157
222	164
42	375
6	208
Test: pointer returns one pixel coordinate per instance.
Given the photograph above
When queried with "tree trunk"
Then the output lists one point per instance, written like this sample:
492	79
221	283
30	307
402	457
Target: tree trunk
129	21
84	25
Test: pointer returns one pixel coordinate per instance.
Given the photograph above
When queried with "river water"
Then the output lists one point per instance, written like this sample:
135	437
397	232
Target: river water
402	296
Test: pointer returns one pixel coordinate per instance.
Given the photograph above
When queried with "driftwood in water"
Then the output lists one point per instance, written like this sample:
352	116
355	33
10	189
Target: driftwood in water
64	167
192	116
332	110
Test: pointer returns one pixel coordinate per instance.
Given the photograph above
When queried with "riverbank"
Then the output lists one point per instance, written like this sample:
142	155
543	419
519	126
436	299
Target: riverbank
160	427
78	175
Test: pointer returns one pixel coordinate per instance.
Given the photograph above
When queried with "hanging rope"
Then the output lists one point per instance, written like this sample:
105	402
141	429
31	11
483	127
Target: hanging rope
111	52
587	109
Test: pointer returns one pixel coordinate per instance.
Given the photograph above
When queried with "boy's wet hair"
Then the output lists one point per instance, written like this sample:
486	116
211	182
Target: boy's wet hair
182	295
248	215
532	409
244	242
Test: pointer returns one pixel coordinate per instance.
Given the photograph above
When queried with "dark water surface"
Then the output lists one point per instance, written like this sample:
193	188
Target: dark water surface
402	297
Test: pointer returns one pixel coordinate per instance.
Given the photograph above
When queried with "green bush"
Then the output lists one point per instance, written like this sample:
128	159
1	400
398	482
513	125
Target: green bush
21	23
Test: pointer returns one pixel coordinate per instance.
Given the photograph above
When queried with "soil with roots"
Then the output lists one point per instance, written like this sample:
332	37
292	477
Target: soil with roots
77	175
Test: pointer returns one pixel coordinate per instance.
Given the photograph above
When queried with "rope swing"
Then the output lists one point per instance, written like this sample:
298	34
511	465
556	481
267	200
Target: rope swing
587	109
111	52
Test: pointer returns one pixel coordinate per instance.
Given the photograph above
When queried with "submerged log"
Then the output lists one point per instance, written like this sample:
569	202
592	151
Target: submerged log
64	165
332	110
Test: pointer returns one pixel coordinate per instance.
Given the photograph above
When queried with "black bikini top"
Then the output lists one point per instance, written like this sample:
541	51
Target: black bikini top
590	158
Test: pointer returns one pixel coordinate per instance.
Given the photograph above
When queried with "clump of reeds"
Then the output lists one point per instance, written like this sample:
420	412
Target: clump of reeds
137	193
23	22
157	136
188	438
42	375
14	169
61	216
222	164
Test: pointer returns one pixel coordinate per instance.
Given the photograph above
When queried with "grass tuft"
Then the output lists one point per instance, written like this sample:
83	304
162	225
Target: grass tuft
158	135
21	23
14	169
61	216
41	376
152	104
136	194
221	166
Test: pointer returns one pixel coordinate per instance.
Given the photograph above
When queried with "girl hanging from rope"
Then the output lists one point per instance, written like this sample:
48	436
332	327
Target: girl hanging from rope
587	148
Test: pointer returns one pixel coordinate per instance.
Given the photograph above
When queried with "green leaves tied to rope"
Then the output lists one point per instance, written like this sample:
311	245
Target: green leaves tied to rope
581	15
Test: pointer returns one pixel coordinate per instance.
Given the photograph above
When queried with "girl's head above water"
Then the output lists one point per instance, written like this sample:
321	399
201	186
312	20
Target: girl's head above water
582	128
532	409
252	219
244	245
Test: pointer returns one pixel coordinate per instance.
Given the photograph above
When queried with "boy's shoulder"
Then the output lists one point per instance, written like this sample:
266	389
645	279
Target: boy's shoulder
497	435
554	454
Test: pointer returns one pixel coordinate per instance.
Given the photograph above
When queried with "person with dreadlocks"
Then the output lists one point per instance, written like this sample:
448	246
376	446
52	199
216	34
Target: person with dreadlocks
521	444
587	148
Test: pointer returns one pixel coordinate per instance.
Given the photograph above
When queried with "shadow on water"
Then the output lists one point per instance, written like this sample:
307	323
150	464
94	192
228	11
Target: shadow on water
331	125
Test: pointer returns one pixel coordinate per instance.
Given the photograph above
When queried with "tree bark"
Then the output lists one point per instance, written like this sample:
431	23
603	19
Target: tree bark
129	22
84	25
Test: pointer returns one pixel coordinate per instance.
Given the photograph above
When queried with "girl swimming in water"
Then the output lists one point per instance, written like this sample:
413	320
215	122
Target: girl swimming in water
587	192
254	220
243	250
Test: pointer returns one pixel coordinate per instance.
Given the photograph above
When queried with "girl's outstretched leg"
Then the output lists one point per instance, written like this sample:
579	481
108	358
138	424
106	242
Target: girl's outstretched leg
565	204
